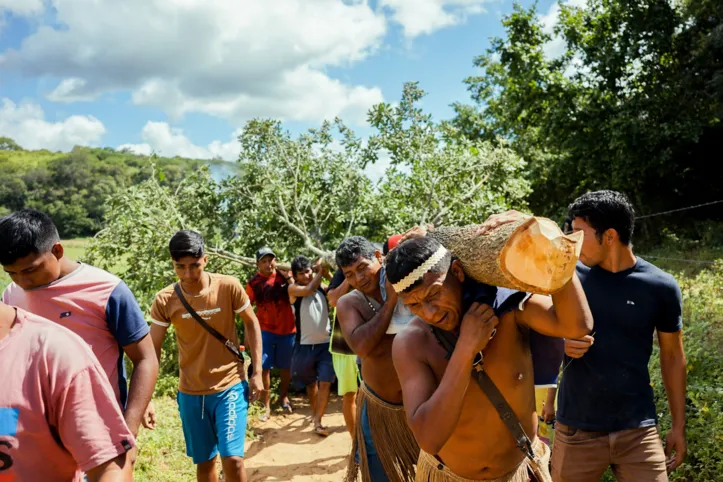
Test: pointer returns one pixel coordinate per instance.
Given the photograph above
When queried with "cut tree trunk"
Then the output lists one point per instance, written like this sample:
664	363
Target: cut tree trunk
530	255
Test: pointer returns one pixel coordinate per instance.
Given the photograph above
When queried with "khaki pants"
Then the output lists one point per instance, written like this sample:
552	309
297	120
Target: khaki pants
635	455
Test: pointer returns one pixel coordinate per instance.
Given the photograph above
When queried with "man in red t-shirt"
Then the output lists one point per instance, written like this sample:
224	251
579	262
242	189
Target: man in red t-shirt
269	290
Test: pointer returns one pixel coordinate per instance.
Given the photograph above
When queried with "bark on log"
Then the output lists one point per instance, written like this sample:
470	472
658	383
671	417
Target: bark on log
530	255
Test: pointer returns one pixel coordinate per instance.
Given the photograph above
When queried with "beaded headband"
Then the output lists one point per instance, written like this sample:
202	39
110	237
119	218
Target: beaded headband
419	271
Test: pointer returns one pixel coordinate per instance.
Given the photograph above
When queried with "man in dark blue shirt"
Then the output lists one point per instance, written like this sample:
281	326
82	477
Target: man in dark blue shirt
606	415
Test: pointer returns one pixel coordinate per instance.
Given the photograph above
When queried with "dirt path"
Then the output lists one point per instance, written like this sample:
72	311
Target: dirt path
289	450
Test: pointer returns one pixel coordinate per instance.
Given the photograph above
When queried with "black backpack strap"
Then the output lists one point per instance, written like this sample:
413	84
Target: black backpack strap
230	346
448	341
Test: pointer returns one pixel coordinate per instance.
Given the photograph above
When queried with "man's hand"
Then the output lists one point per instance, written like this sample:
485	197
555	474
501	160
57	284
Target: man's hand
392	296
416	232
478	326
256	385
577	348
497	220
675	443
548	412
149	417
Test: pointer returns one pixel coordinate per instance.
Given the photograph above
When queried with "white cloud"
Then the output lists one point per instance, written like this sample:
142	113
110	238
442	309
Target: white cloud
422	17
227	58
22	7
26	124
557	46
67	90
164	140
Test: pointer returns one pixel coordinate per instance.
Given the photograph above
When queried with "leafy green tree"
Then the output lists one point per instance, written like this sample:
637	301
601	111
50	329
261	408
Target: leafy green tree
73	187
633	104
437	175
7	144
305	194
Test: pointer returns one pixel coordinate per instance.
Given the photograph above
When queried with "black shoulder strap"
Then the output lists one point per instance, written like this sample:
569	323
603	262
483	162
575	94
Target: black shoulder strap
448	341
297	316
236	350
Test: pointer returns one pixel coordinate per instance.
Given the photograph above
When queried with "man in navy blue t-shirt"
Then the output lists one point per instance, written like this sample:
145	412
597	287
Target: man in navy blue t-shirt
606	414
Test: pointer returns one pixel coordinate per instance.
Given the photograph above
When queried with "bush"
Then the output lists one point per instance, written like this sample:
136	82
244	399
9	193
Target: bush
703	342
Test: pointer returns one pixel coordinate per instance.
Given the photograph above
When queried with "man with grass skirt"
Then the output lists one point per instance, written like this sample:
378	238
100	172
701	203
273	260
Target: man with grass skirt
465	365
384	448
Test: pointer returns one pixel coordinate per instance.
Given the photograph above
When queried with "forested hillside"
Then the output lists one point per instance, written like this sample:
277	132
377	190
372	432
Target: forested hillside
72	187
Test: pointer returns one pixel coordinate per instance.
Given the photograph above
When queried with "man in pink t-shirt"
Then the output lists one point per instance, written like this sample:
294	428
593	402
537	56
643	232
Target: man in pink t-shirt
58	414
90	302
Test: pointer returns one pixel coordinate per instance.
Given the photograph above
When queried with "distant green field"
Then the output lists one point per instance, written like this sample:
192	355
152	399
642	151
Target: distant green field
74	249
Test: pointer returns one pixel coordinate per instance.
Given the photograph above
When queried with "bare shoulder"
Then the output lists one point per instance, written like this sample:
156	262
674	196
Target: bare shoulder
412	339
348	301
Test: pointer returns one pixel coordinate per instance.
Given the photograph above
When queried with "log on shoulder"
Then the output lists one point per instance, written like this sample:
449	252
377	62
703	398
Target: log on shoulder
530	255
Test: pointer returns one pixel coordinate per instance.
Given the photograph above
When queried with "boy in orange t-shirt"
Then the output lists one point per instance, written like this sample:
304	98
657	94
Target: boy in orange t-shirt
213	394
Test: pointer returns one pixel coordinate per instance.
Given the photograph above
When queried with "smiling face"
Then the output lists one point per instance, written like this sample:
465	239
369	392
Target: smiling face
36	269
363	274
437	300
304	277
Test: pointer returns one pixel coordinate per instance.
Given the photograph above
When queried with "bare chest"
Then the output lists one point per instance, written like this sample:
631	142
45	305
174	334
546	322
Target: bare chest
481	445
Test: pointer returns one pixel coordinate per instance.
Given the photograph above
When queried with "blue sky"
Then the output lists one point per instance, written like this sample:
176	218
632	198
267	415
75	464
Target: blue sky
180	77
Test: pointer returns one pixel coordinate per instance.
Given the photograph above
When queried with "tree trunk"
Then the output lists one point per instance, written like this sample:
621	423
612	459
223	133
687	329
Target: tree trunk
530	255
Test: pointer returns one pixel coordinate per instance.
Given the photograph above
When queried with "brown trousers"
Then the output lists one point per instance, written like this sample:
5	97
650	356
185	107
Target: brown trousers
635	455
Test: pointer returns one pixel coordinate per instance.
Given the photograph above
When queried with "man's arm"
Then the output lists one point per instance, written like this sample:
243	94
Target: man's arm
338	287
143	380
361	335
673	369
158	333
548	408
565	315
129	327
116	470
252	335
334	294
433	411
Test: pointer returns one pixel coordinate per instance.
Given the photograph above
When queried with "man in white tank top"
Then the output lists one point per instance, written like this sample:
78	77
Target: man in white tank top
312	363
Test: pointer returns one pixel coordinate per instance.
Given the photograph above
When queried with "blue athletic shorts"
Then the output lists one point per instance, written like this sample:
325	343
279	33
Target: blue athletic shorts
313	363
215	423
278	350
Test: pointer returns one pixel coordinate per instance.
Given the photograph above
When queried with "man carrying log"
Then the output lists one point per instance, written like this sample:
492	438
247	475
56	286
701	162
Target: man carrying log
466	369
384	447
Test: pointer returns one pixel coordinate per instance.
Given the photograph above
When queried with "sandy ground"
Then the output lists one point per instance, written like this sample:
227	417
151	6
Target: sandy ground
287	448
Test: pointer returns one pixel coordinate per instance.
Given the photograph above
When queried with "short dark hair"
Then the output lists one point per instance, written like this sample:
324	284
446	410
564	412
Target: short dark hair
604	210
186	243
353	248
26	232
300	263
411	254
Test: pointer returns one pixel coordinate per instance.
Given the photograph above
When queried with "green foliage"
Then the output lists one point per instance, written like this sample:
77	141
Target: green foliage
437	175
703	343
297	195
633	104
73	187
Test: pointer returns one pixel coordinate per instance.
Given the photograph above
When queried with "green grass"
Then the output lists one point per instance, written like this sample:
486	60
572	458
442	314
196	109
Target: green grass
162	452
